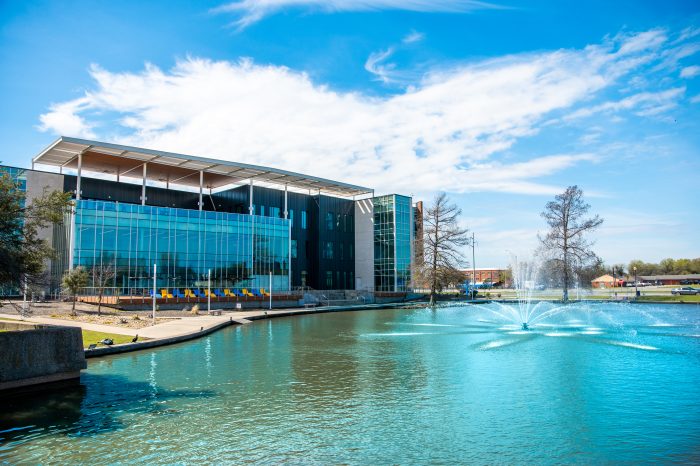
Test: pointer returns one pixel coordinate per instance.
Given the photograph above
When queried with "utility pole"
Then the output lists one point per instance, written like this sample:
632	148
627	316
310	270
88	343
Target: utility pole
209	292
473	268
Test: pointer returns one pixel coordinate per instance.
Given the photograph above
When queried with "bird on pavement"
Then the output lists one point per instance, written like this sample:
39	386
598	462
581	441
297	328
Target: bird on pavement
133	340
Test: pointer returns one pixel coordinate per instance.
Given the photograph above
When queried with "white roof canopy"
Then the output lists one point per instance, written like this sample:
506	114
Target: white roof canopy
127	161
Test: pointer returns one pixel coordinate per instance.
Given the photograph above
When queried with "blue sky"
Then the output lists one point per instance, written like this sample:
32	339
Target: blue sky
500	104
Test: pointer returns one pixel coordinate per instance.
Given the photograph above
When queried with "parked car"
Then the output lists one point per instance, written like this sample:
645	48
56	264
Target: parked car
686	290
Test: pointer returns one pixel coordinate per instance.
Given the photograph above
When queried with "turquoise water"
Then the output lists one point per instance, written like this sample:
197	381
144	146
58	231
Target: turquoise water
602	383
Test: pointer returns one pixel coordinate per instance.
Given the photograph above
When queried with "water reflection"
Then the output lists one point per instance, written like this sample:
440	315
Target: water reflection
83	410
416	386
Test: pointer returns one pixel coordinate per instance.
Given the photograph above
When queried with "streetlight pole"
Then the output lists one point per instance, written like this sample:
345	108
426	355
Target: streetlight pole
613	271
473	269
270	290
636	292
209	291
154	294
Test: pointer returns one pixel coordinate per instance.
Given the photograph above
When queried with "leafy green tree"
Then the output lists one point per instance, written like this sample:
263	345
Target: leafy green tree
565	242
667	266
74	281
23	253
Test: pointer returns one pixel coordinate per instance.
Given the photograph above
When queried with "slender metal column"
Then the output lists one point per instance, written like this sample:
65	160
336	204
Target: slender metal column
289	258
396	278
143	185
118	173
285	201
289	246
71	239
250	197
201	186
154	293
80	171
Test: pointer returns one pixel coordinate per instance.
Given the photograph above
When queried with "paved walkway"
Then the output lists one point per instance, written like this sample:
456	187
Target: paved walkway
168	329
74	323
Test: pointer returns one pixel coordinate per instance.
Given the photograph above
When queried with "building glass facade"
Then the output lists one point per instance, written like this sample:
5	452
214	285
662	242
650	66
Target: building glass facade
393	233
240	250
19	178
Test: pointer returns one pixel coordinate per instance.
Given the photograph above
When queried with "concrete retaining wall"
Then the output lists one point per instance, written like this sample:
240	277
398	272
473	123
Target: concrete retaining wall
33	354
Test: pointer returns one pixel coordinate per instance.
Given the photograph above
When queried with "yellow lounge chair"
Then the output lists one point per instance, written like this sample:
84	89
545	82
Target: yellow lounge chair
264	292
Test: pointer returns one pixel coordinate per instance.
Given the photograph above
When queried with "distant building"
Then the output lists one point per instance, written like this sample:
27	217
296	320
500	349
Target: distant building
607	281
485	276
687	279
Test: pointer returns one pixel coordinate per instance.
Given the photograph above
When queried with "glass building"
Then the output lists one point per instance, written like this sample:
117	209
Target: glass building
239	250
393	238
136	208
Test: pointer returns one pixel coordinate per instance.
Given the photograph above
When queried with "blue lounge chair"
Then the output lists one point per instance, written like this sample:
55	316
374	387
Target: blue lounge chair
219	293
256	293
239	293
150	293
198	294
177	294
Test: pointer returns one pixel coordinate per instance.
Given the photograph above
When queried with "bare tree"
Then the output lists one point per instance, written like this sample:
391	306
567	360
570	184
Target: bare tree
565	243
74	281
442	240
102	276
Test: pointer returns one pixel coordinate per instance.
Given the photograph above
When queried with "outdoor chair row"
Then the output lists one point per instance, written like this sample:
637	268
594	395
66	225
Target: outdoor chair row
217	293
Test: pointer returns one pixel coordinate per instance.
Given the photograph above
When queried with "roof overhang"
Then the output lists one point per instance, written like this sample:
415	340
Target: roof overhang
180	169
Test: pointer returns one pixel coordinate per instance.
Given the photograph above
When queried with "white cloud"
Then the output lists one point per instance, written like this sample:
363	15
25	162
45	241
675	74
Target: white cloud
413	37
649	103
248	12
440	134
695	99
690	71
65	119
375	65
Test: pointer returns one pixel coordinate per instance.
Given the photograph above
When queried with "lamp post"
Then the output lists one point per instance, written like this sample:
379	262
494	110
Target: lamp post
209	291
636	292
473	269
154	294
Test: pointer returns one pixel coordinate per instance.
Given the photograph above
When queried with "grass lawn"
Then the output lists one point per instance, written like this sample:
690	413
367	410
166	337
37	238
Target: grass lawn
90	337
